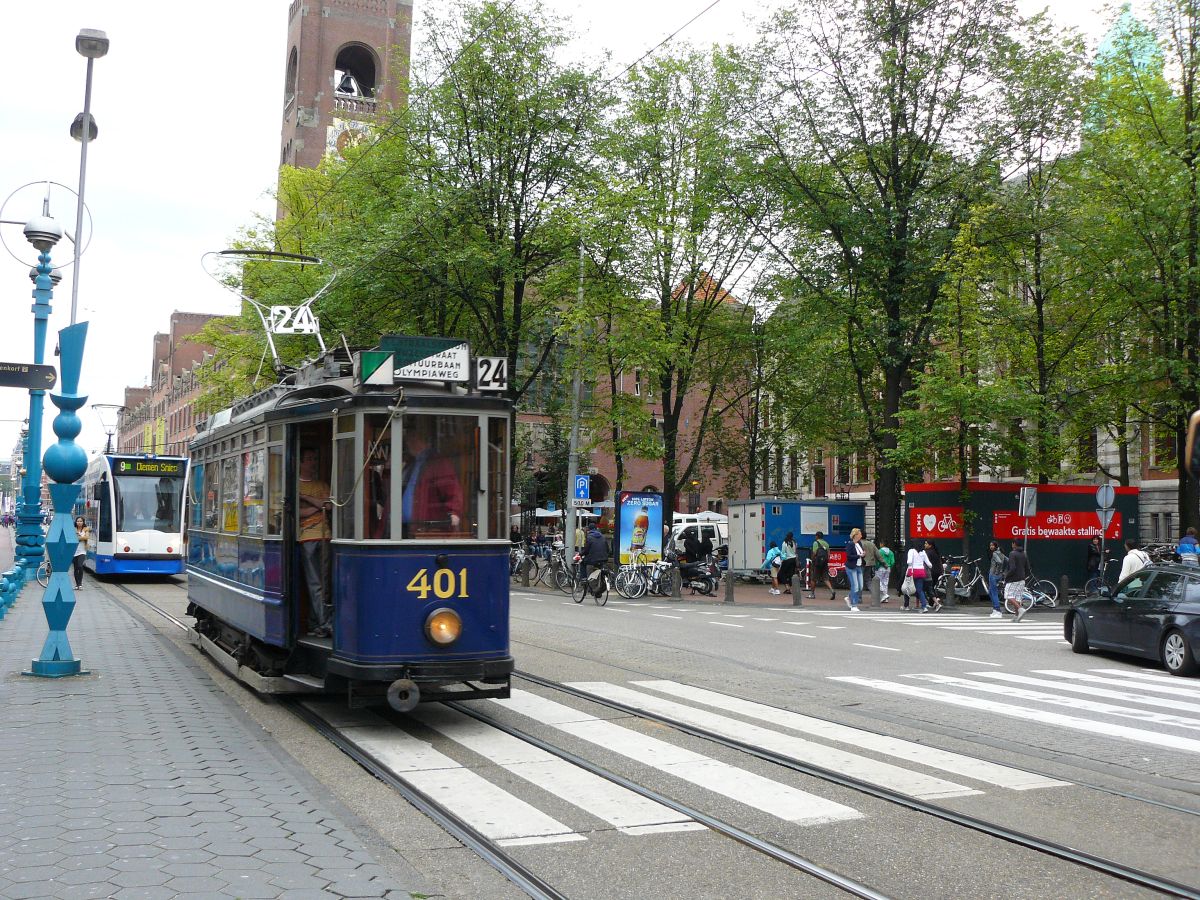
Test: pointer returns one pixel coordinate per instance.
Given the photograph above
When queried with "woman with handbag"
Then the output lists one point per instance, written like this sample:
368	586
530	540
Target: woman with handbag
915	575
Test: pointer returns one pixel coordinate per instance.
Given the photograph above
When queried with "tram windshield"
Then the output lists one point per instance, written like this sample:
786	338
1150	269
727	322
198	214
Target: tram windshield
440	471
148	502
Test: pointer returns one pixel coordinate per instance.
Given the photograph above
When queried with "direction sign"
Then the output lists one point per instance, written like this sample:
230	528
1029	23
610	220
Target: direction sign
583	489
1106	516
1105	496
578	502
27	375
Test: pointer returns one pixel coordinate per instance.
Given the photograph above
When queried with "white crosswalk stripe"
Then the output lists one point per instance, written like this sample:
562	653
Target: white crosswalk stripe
886	775
737	784
963	692
1040	629
620	807
495	812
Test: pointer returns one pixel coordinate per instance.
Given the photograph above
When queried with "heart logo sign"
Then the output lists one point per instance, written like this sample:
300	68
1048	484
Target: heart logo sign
929	521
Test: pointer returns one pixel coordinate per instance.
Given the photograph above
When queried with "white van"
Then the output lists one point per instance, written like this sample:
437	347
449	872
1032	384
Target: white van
702	525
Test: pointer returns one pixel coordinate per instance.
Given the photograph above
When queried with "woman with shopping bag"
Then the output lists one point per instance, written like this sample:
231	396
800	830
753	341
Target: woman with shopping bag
914	576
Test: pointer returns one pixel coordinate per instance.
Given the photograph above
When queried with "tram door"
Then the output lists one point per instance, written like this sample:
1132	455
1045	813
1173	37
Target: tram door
311	518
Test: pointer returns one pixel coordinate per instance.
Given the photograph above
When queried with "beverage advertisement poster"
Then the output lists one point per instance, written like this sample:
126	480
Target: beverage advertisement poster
639	525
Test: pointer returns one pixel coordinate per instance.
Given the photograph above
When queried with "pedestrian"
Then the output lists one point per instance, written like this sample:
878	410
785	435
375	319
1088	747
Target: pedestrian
1135	560
787	568
1095	560
917	568
934	574
580	535
870	566
855	561
1016	571
883	569
1189	549
820	566
772	562
996	565
82	533
514	535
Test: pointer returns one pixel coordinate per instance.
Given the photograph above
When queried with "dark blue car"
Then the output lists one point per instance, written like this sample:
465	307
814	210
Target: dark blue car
1154	613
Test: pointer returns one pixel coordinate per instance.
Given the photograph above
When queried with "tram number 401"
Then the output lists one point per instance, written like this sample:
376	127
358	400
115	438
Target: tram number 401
491	373
446	583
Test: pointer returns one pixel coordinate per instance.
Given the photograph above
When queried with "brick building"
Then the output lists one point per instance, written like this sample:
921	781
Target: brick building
346	61
160	417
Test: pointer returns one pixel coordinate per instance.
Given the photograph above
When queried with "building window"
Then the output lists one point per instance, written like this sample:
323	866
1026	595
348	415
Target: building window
1089	450
793	471
1162	445
819	487
862	469
764	465
779	468
843	469
637	382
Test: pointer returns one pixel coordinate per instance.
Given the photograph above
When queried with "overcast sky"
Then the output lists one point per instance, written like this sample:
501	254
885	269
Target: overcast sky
188	106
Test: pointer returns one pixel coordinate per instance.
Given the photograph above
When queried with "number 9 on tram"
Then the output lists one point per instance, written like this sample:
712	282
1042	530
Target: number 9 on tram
348	528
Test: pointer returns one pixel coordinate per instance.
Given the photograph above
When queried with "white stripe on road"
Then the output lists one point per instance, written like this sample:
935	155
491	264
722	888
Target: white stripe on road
757	619
978	662
745	787
833	627
665	616
1125	712
796	634
1164	684
877	647
605	800
1127	696
1039	637
1031	715
727	624
955	763
906	781
494	812
1128	679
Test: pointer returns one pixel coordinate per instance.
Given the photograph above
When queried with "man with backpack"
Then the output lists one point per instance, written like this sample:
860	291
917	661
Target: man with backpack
820	566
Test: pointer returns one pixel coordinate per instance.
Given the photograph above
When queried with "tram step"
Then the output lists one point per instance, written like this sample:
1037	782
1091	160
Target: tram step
308	681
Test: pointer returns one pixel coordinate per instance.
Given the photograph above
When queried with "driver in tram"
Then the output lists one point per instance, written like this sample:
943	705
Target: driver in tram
432	495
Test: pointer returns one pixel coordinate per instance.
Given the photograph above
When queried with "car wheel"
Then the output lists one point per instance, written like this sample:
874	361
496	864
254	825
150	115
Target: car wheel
1176	654
1076	633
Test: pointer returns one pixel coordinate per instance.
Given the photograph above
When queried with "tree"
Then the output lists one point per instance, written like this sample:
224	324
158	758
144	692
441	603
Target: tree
879	126
1141	153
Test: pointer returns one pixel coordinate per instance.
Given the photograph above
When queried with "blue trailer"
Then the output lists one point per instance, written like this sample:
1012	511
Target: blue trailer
753	524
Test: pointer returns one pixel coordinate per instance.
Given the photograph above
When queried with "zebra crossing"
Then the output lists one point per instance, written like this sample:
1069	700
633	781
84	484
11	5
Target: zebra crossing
1103	702
475	769
1034	628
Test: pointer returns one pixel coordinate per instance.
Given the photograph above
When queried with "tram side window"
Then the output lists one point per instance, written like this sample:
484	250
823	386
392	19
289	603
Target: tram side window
347	474
196	496
212	494
253	479
229	494
105	532
497	501
377	479
275	490
440	470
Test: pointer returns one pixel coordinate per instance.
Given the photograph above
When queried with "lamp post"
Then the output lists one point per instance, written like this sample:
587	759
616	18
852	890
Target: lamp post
66	461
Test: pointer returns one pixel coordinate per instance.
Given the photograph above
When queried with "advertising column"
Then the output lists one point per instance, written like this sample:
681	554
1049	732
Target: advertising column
639	526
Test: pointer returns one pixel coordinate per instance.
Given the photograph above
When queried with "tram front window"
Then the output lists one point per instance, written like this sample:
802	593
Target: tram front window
148	503
440	476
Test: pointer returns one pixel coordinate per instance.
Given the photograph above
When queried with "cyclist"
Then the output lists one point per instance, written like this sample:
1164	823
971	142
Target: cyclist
595	551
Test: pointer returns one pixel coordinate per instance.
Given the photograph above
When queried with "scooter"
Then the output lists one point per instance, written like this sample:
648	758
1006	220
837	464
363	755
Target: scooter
701	577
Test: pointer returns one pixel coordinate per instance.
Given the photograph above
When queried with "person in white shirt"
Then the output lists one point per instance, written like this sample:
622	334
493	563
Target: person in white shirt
1135	559
919	568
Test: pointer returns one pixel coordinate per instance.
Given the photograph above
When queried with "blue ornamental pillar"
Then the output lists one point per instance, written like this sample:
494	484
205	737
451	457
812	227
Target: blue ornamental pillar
65	463
30	537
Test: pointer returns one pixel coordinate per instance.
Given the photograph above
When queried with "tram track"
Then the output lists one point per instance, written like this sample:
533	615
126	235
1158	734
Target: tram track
1043	846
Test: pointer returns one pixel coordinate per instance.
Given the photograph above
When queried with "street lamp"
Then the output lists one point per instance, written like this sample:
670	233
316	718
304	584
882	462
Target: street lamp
91	44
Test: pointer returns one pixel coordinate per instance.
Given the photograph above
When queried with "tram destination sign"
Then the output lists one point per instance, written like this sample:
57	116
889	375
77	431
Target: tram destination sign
27	375
428	358
137	465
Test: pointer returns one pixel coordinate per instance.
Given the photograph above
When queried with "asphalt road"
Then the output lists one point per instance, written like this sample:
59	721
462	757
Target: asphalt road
998	720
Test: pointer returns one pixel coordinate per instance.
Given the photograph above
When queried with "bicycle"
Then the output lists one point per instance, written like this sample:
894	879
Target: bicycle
597	587
44	571
955	578
1030	598
632	580
1093	585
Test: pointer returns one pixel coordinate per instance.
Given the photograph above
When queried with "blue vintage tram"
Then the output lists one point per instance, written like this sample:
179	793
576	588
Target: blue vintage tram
379	479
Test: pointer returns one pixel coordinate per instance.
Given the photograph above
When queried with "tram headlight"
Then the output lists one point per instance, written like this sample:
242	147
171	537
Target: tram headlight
443	626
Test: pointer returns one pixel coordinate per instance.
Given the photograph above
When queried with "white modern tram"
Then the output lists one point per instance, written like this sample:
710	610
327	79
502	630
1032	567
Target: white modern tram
134	506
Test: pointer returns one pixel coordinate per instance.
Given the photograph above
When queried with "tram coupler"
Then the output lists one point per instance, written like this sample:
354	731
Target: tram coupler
403	695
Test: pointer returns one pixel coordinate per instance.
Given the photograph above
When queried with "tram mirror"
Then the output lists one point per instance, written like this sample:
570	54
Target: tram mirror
1191	457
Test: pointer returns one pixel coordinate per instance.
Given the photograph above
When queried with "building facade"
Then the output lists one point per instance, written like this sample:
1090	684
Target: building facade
160	417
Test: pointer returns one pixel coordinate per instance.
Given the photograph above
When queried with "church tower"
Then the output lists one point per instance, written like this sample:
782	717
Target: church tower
345	60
